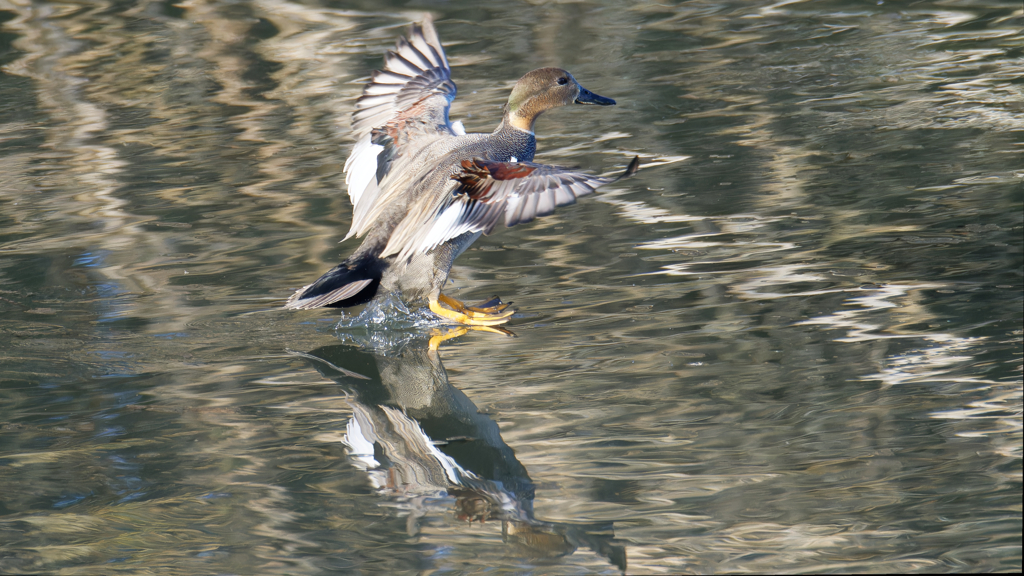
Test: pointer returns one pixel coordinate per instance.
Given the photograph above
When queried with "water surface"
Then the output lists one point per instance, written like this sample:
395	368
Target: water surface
791	343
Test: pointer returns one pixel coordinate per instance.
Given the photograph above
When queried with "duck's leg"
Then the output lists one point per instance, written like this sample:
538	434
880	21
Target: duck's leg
492	306
490	313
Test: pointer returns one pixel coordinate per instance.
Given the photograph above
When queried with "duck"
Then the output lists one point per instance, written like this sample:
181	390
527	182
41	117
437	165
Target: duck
423	190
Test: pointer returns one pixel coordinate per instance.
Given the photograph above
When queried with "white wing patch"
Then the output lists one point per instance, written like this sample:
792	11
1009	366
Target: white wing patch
457	219
361	167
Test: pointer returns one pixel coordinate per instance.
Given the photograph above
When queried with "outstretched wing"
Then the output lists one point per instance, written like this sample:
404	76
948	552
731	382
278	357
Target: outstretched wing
415	82
521	191
403	108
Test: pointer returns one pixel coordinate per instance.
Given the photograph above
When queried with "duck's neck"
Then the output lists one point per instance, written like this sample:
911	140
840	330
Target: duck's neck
514	141
521	115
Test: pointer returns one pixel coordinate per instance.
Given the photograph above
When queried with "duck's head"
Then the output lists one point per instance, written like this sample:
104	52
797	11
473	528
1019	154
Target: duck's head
544	89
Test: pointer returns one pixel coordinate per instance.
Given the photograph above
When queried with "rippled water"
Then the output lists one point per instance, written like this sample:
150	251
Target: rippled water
791	343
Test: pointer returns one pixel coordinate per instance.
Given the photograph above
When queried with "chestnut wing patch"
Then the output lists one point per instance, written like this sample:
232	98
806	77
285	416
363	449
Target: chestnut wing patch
487	190
477	176
527	190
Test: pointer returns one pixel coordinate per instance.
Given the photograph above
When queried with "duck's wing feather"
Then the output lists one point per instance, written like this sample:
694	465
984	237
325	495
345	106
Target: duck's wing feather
403	108
521	191
415	83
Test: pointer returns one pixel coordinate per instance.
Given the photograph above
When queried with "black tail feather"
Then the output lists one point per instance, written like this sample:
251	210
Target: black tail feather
350	283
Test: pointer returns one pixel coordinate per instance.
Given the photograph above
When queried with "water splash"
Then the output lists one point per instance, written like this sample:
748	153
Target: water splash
387	325
390	312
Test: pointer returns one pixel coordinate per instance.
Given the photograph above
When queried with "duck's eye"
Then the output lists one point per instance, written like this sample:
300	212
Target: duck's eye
563	81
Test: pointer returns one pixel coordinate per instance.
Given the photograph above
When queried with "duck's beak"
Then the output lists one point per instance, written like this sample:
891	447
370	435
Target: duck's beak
588	97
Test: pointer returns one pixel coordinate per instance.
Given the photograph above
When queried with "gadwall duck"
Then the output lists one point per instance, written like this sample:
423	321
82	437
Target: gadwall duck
423	190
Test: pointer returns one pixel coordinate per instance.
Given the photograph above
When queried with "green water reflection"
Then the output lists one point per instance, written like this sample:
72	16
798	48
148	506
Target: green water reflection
791	343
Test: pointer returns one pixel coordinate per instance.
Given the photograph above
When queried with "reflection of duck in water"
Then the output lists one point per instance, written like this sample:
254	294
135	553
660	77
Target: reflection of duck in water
426	447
